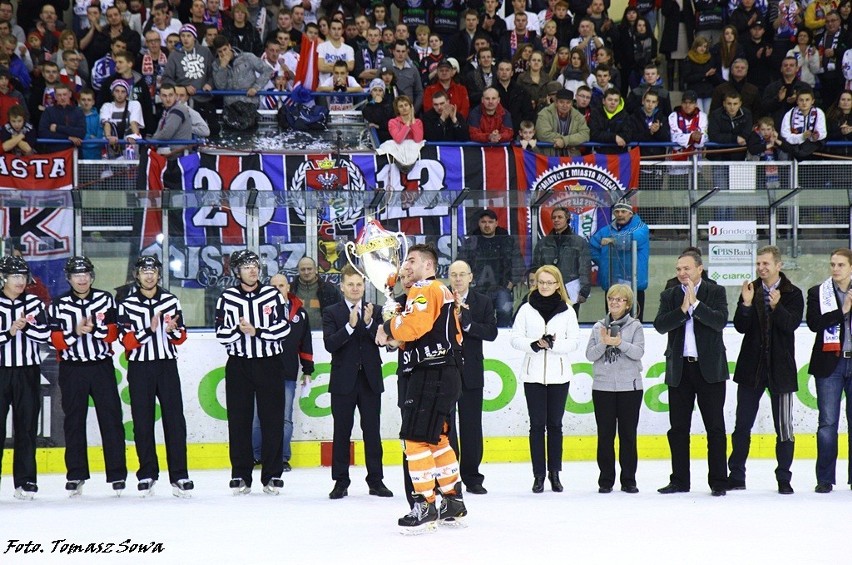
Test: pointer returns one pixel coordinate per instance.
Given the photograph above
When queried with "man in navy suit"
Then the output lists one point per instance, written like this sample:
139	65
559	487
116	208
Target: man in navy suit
693	314
478	323
349	333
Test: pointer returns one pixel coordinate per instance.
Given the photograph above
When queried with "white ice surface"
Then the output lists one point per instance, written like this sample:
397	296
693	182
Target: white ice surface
508	525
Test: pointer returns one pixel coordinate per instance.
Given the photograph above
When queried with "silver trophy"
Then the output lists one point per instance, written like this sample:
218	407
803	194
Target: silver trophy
378	252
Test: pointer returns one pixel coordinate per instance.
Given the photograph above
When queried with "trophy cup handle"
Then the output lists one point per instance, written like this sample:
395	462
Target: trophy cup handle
401	236
351	255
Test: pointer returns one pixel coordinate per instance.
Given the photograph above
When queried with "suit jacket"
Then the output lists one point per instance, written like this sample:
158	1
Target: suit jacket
780	347
351	351
823	363
709	319
483	327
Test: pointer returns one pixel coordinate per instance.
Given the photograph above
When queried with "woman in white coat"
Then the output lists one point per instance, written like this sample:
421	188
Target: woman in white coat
546	330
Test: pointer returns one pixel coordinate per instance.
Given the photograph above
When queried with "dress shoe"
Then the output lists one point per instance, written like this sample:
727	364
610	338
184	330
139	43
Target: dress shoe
735	484
379	489
672	488
555	484
339	490
784	487
476	489
718	492
630	489
538	485
823	488
604	490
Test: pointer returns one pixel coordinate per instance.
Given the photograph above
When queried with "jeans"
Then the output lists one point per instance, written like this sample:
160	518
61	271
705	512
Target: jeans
829	391
546	406
748	403
289	395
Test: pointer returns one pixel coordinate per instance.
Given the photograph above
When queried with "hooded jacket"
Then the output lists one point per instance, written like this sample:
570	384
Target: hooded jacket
622	263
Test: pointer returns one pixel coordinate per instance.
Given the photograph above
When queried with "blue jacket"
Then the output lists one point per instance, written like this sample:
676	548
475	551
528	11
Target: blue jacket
69	121
622	268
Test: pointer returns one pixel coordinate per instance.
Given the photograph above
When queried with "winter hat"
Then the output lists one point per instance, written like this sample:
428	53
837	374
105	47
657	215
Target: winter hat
189	28
377	83
119	83
622	206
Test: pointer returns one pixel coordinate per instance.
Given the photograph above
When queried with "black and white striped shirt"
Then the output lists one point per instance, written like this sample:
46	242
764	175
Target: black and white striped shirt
69	310
263	308
134	326
21	349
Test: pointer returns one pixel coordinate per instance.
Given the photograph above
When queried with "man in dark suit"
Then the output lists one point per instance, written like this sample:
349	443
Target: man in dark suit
829	305
478	323
768	313
693	315
349	333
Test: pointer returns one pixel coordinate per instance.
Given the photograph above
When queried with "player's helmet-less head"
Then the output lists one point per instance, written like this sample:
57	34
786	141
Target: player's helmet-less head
78	265
146	262
243	258
11	265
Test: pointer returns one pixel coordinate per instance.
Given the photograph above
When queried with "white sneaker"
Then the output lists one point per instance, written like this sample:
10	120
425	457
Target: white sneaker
75	487
274	487
26	492
182	487
146	487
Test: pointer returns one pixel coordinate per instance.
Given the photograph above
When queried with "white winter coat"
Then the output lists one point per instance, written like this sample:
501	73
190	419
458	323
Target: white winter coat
548	367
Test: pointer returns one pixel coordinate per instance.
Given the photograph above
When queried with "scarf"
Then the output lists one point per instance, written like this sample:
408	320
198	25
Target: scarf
549	44
612	352
800	123
547	306
698	58
788	13
828	303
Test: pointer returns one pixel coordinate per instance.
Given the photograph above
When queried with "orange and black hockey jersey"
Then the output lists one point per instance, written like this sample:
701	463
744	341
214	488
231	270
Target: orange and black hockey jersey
429	326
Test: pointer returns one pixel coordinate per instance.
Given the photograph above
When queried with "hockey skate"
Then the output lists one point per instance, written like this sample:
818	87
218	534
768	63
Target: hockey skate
239	486
26	492
274	486
182	487
452	510
118	487
422	519
146	487
75	487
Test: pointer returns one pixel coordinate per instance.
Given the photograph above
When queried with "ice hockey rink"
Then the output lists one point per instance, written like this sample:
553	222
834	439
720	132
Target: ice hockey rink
508	525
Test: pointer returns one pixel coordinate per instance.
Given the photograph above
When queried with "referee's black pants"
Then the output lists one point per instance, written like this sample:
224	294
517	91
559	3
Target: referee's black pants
246	380
19	389
78	382
150	381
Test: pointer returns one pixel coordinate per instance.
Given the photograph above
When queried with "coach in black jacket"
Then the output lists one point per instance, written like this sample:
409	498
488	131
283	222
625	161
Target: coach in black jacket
768	313
695	367
479	324
349	333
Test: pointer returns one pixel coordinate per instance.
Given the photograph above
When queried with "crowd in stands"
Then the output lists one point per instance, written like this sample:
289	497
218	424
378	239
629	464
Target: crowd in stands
772	77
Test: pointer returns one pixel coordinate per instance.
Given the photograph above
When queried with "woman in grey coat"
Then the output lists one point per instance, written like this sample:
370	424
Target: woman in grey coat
615	348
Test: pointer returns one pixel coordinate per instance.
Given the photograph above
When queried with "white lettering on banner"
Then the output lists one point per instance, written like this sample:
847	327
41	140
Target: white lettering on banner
202	359
53	168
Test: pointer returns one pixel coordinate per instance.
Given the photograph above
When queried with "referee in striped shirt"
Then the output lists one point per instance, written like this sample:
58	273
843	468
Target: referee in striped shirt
82	329
251	321
150	322
23	325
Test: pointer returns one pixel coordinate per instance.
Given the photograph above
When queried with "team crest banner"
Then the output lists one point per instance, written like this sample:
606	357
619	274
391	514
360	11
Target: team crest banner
202	237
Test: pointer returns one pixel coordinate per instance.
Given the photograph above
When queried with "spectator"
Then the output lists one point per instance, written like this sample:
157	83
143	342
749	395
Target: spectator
175	122
512	41
643	51
69	74
192	67
520	7
9	97
241	33
611	124
492	23
729	125
490	122
688	127
780	96
334	49
429	63
340	81
803	130
562	125
369	57
649	124
214	17
526	137
569	253
764	144
446	83
605	56
406	74
105	66
616	346
237	71
18	137
785	16
491	253
121	119
152	65
391	90
587	41
42	94
17	67
839	123
162	22
443	122
303	14
758	52
94	130
380	17
93	43
521	59
196	17
258	18
48	27
815	16
378	111
807	57
117	27
583	102
724	53
522	291
738	82
651	80
200	129
560	62
38	53
62	120
460	45
612	251
480	77
138	92
600	82
831	48
405	126
745	14
514	99
699	73
549	42
576	72
316	294
534	80
7	15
